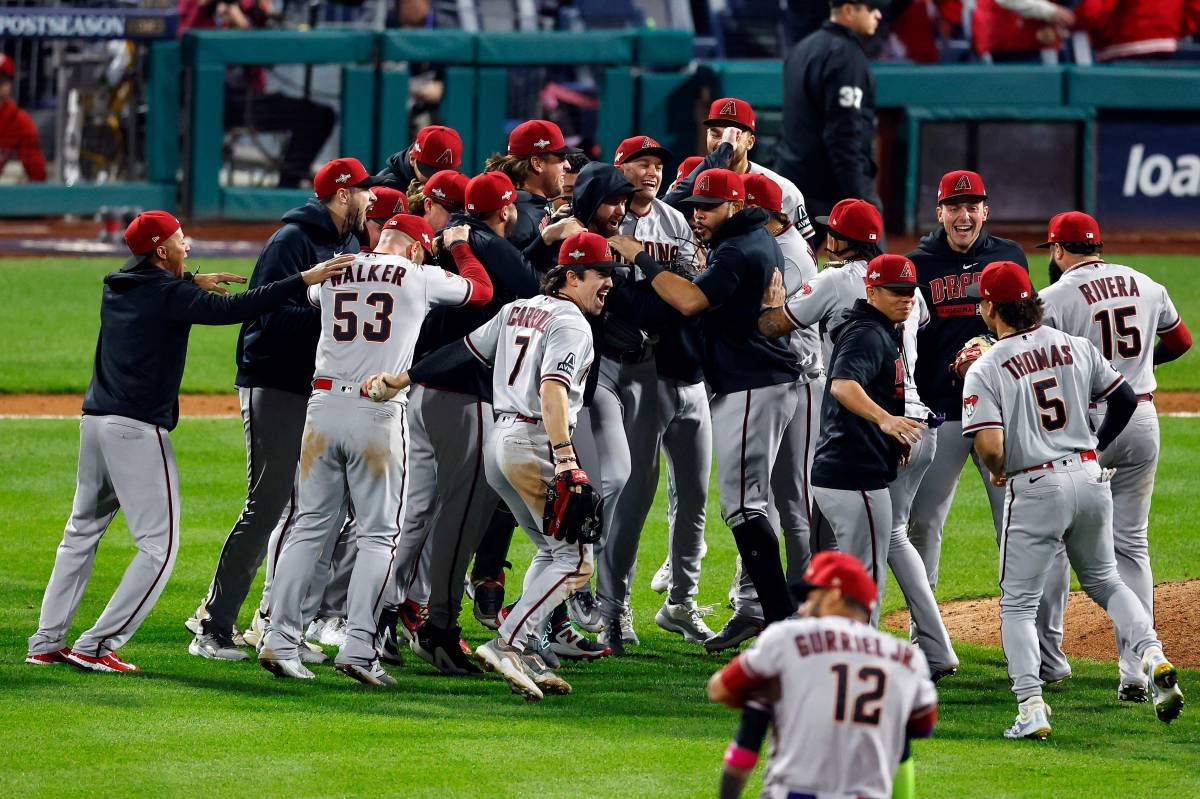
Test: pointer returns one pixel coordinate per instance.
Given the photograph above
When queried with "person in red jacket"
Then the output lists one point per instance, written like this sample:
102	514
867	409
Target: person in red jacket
1019	30
1141	29
18	134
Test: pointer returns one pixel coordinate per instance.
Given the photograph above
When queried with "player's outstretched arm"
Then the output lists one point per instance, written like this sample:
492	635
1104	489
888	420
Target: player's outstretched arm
852	396
214	280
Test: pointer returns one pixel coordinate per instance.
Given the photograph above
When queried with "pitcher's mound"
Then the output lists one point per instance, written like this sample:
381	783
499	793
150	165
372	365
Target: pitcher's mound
1087	632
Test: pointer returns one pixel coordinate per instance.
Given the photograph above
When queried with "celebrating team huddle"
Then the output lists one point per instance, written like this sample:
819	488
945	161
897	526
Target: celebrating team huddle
499	353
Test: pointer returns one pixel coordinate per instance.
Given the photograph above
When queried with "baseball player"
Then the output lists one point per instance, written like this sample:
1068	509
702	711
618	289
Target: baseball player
853	230
730	126
536	161
436	147
1023	404
1121	311
649	405
388	202
750	374
275	357
540	352
450	500
442	195
845	697
370	319
948	261
126	459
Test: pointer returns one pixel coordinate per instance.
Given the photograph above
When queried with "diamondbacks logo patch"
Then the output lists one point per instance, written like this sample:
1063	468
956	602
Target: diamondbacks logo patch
446	157
963	184
907	273
969	405
702	184
648	143
728	110
806	289
567	364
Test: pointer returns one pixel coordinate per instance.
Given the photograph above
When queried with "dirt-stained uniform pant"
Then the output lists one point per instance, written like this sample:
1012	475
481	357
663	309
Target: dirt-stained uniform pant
1067	505
519	469
125	465
1134	455
449	499
354	444
273	422
748	431
636	387
931	506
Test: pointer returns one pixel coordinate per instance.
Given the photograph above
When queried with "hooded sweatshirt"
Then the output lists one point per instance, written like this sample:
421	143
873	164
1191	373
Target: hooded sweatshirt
279	349
943	276
146	315
398	173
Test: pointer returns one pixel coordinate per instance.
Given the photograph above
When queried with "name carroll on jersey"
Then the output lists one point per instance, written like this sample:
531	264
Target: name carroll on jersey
525	316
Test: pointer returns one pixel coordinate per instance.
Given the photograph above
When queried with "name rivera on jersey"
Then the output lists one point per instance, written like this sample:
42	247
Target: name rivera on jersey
1109	287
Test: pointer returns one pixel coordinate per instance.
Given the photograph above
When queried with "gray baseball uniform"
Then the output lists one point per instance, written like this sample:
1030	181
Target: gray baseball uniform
1034	386
1121	311
528	342
793	200
370	319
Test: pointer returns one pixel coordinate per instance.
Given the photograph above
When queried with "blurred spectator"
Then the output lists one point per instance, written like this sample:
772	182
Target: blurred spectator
1137	29
427	82
912	28
1019	30
18	134
248	104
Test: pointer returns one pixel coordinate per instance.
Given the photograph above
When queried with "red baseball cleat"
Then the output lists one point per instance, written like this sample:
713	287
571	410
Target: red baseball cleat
109	663
48	658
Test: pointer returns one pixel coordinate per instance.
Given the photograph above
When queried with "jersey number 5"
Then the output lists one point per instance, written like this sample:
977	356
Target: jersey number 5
1119	333
1055	417
867	705
345	321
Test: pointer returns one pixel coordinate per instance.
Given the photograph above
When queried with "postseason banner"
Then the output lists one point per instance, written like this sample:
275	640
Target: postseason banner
88	23
1148	174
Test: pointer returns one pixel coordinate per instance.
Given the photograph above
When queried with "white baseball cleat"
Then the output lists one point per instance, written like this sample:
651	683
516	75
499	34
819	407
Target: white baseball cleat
371	674
215	647
661	580
192	623
685	619
507	661
333	633
1033	720
254	633
284	668
543	676
1164	685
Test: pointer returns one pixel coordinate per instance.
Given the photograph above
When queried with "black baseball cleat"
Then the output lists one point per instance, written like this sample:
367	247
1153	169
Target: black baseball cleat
440	648
1132	692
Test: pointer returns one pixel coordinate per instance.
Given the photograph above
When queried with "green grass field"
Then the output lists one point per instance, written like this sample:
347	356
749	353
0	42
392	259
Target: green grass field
636	727
54	314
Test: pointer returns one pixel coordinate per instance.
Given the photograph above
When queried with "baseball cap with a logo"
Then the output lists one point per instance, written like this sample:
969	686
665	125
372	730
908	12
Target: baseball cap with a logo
1003	281
731	111
1072	227
585	250
415	227
387	204
438	146
148	230
689	163
854	220
961	184
891	272
489	192
762	192
842	571
538	137
637	146
342	173
448	189
715	186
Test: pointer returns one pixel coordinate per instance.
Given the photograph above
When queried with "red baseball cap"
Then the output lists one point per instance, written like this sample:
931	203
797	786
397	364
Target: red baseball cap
731	111
148	230
7	67
538	137
448	189
1003	281
489	192
342	173
689	163
388	202
843	571
854	220
1072	227
413	226
637	146
438	146
891	272
715	186
763	192
960	185
585	250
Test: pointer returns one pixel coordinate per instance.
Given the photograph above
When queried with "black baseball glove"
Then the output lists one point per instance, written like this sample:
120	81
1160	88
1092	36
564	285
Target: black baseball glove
573	508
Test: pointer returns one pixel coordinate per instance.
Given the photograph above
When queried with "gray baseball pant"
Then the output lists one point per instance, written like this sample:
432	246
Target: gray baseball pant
686	435
1067	506
333	598
273	422
1134	455
931	506
861	522
636	387
125	465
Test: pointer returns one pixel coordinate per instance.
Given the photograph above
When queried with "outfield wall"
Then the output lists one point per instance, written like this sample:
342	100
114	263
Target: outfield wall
1123	142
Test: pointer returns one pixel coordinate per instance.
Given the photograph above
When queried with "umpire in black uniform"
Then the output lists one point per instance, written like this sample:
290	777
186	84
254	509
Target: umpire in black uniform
829	112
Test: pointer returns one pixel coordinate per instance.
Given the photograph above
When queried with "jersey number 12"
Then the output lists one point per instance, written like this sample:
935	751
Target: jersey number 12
867	704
